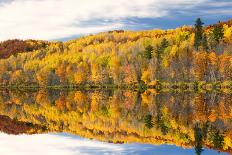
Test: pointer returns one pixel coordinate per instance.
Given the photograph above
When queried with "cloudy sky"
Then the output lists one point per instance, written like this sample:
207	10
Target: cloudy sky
63	144
65	19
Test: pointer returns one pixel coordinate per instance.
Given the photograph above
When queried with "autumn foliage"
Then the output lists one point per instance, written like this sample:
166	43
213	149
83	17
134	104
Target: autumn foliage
121	116
122	58
13	47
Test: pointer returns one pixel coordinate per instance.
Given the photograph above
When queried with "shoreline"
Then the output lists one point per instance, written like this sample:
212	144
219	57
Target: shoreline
160	86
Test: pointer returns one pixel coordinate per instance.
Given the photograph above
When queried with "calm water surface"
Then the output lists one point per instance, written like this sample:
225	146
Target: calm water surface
115	122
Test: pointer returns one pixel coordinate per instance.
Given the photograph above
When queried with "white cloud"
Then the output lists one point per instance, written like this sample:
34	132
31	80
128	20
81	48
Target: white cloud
53	144
221	4
63	144
51	19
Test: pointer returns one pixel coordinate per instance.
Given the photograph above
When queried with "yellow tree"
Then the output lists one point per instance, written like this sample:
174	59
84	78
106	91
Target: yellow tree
82	73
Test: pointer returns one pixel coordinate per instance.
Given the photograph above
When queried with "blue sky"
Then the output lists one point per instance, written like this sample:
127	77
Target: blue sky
65	19
64	144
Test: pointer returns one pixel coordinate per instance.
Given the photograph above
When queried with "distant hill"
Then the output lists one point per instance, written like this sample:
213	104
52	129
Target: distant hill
119	57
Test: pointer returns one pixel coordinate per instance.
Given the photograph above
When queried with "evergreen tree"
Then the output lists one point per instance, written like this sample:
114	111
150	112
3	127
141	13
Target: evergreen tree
205	43
198	140
218	33
164	44
148	121
148	52
161	124
159	51
198	33
217	139
160	48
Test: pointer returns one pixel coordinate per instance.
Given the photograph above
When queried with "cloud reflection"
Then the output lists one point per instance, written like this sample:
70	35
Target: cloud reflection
63	144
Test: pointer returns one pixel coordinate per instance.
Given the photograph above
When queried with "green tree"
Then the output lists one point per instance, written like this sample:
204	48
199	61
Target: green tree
198	33
198	140
148	52
217	139
218	33
148	121
205	43
159	52
164	44
161	123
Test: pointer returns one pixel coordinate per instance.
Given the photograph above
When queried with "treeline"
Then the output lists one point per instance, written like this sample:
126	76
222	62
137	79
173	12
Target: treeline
197	120
186	54
13	47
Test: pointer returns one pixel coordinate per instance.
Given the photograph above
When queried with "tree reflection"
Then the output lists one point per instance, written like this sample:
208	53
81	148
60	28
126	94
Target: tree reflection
148	121
185	119
198	135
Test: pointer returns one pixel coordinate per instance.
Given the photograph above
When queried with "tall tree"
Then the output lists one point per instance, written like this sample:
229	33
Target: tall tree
159	52
198	33
205	43
148	52
218	33
148	121
198	140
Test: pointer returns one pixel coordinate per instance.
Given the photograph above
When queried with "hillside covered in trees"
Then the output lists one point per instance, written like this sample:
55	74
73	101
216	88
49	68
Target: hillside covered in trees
186	56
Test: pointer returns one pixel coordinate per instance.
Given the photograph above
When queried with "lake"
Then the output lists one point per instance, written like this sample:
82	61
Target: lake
115	122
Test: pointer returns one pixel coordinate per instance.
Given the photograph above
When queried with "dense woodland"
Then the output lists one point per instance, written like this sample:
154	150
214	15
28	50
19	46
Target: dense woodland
198	54
184	119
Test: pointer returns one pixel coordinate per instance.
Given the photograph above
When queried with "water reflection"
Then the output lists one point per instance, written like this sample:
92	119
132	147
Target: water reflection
188	120
63	144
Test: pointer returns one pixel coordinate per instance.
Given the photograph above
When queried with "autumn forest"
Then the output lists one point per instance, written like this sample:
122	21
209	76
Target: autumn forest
187	58
148	87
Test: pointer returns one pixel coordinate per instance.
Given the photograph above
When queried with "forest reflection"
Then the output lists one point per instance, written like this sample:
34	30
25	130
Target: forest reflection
199	120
